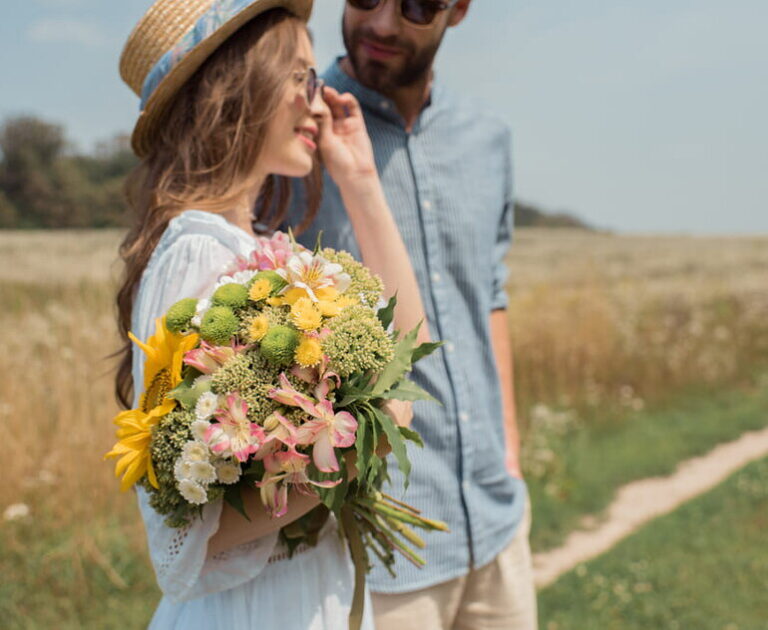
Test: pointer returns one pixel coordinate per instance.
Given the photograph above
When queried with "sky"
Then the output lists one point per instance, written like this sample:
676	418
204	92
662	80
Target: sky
636	116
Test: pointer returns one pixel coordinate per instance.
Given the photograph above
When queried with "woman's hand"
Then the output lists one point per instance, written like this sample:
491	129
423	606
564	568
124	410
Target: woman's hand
401	412
344	142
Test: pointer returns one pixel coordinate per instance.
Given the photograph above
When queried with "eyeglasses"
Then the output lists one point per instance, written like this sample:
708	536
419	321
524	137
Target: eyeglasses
313	83
419	13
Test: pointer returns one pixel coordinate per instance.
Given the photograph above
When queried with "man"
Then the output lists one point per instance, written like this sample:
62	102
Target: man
446	170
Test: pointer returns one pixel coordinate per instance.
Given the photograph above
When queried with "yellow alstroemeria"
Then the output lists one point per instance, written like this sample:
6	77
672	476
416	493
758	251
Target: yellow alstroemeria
162	372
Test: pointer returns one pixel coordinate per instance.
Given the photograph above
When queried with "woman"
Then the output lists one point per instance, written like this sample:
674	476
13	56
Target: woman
230	105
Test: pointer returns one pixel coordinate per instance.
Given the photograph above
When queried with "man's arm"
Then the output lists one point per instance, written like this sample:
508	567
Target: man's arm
502	351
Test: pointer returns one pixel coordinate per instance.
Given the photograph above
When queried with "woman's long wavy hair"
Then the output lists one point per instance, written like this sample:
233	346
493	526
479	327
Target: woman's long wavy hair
205	151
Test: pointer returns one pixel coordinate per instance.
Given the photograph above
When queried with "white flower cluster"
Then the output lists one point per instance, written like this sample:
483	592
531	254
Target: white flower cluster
198	467
200	310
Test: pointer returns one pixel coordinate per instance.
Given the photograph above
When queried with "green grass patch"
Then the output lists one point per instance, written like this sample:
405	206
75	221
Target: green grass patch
701	567
592	460
73	579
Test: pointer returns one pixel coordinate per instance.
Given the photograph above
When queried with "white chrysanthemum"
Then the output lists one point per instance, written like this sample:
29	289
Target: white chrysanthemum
202	472
195	452
182	469
200	310
206	405
193	492
15	512
239	277
227	472
199	427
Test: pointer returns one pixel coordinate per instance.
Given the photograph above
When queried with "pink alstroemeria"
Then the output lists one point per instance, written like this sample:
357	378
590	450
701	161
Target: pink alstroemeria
283	469
275	251
312	272
209	358
320	376
278	432
234	435
326	431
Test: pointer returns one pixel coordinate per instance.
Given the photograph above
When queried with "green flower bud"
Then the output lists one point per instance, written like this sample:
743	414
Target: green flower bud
279	344
275	279
219	325
231	294
178	316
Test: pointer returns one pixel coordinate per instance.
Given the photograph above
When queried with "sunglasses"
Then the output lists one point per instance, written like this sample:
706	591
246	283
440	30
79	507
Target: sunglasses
419	13
313	83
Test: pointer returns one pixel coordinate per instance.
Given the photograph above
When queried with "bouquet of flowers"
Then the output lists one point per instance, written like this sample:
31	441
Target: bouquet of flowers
272	382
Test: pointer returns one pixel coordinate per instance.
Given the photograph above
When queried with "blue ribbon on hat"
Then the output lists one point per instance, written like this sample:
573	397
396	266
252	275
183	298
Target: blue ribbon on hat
220	12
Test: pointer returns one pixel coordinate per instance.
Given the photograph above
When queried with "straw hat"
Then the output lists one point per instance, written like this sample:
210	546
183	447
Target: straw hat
172	41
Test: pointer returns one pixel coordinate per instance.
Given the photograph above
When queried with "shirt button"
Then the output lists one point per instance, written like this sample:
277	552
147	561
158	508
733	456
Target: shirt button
436	277
450	347
384	104
465	484
464	416
426	204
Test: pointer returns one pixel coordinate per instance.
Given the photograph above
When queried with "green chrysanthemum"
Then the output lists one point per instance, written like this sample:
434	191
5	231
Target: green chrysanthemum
357	342
219	325
364	286
232	294
279	345
179	315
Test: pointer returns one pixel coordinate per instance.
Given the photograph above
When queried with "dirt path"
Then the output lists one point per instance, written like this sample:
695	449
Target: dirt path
640	501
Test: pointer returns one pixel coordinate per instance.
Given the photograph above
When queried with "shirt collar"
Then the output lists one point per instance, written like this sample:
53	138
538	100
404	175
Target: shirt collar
379	104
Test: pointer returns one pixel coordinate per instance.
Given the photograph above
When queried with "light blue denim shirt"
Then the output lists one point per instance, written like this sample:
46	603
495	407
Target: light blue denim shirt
449	185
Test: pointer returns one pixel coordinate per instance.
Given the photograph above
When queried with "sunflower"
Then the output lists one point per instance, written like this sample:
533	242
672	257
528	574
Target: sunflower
162	372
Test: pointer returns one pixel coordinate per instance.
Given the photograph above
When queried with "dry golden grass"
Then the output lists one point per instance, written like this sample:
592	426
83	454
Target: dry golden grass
56	329
595	319
601	321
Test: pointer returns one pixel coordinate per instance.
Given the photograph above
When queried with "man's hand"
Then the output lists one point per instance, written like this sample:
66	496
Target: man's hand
512	463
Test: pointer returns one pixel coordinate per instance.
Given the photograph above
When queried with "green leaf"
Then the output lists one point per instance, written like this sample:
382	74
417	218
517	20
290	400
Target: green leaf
187	392
396	441
387	313
408	390
412	436
398	366
425	349
318	243
375	463
235	499
363	444
332	498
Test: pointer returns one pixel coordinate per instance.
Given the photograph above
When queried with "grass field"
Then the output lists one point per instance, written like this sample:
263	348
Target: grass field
702	567
615	339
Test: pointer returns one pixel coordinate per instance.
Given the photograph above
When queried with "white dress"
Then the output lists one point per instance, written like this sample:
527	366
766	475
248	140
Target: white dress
255	585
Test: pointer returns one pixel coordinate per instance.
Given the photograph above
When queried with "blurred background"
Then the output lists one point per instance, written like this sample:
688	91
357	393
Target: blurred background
639	310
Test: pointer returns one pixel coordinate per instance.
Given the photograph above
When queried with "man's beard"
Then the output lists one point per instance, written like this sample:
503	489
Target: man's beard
378	76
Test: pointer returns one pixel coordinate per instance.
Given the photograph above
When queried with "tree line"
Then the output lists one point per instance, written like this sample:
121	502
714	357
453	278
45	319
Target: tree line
44	183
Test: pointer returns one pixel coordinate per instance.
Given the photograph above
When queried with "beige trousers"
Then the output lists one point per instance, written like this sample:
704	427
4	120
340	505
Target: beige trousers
498	596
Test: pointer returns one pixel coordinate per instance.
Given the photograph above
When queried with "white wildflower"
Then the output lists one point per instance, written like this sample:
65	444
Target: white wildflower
199	427
16	511
193	492
239	277
200	310
227	472
206	405
195	452
202	472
